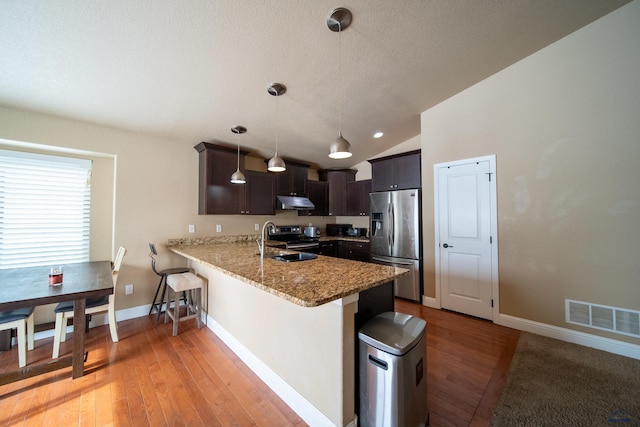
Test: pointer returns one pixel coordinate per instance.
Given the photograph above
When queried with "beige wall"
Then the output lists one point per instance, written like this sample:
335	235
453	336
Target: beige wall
310	348
564	125
156	190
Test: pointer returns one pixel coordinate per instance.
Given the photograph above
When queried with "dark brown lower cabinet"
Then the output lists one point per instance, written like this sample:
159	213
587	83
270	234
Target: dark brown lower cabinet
329	248
357	251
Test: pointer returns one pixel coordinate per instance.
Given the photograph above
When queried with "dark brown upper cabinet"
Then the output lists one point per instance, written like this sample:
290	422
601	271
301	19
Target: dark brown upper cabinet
318	193
397	172
216	193
337	179
259	193
358	197
293	181
218	196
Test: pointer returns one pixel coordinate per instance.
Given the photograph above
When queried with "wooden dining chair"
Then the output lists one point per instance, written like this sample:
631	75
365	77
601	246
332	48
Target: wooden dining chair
64	310
20	319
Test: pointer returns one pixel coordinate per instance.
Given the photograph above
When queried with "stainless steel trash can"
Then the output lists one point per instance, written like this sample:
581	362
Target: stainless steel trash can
393	378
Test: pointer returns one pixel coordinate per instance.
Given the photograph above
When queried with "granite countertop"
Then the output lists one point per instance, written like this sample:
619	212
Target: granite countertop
305	283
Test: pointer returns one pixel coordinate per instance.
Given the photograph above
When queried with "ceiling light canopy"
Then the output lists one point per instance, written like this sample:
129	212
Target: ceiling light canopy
276	164
238	177
338	20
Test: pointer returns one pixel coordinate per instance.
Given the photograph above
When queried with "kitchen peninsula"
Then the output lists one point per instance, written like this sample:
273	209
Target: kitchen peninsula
293	323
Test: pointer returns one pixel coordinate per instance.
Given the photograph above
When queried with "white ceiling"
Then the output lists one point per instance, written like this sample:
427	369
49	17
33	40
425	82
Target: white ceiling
189	70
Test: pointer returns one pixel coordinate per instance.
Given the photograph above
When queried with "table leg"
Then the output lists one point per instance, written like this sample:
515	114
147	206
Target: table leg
79	324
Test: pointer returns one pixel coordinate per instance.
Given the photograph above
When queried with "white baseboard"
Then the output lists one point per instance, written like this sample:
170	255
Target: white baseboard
309	413
569	335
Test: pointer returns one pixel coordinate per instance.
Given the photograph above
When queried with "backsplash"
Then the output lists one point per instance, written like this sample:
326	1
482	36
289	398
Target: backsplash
212	240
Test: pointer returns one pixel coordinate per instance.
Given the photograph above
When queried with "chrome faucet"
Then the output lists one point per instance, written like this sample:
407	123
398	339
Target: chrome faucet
271	226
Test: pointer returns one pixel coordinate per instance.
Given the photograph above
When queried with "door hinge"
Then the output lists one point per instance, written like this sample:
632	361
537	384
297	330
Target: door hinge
490	240
491	303
489	173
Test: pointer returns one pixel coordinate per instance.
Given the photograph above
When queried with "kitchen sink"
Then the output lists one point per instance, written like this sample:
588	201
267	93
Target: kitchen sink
301	256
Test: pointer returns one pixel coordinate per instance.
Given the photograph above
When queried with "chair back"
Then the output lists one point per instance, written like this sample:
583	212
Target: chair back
117	263
152	248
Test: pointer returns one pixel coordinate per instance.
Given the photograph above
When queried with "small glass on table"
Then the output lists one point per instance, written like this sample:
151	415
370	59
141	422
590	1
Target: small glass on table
55	276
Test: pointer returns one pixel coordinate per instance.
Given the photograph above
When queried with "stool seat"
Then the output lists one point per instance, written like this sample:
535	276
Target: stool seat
191	285
184	281
162	287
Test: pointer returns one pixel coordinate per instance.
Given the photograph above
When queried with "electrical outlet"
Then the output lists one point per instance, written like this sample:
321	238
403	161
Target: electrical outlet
257	227
128	289
218	228
192	228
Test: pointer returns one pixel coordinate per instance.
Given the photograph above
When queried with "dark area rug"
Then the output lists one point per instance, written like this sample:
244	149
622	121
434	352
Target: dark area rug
555	383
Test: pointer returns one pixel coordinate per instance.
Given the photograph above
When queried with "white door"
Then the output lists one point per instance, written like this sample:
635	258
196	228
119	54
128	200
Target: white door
464	241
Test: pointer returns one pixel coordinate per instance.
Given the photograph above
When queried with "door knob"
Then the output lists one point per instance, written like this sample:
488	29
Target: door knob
446	246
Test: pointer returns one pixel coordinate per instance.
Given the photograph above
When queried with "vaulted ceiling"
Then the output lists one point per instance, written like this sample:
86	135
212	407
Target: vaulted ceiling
190	70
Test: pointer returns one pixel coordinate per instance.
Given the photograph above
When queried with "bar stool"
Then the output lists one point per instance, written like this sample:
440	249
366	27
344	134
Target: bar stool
162	284
191	285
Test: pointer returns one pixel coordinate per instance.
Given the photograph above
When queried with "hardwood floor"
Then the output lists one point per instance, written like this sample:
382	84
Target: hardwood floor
467	362
151	378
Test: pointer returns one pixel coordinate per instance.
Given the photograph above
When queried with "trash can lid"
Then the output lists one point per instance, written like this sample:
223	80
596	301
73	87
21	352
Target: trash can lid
391	332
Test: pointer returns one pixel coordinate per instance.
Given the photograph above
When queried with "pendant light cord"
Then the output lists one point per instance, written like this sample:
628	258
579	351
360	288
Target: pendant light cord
238	144
277	96
339	80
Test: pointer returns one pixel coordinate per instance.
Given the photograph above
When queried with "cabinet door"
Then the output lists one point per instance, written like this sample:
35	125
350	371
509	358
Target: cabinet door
358	197
408	172
397	172
357	251
337	180
293	181
217	195
382	176
329	248
318	194
299	181
259	193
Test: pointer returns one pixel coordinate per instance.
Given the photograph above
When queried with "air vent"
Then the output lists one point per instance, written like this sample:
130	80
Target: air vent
612	319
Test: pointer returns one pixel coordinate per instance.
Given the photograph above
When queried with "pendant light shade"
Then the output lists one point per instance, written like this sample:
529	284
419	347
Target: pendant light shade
238	177
340	148
339	19
276	164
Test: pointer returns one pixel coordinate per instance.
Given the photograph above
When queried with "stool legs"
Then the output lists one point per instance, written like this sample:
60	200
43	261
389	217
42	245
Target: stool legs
162	285
193	306
154	304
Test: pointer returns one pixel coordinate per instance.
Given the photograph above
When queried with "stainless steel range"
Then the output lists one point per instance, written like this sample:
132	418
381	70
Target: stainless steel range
292	237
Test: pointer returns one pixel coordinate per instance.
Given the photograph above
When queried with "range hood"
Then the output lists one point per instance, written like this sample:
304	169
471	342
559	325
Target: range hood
294	202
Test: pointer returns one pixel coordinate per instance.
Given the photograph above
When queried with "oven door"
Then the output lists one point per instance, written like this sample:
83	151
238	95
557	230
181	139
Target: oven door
309	247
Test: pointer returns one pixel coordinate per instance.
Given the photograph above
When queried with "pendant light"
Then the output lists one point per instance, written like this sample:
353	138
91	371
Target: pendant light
276	164
339	19
238	177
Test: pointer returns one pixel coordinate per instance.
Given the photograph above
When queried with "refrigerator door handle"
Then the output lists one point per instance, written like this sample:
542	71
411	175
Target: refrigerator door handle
392	223
388	229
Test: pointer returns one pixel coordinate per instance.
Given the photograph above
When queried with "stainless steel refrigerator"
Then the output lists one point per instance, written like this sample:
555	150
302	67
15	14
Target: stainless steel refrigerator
396	237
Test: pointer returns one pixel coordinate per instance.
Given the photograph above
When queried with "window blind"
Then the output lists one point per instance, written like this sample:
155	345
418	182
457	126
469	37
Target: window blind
44	209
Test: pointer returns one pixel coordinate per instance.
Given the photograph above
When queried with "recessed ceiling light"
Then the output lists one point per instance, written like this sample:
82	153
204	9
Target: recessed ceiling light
378	134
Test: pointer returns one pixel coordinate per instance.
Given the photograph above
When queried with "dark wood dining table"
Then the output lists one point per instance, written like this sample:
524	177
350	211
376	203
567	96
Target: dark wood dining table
29	287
